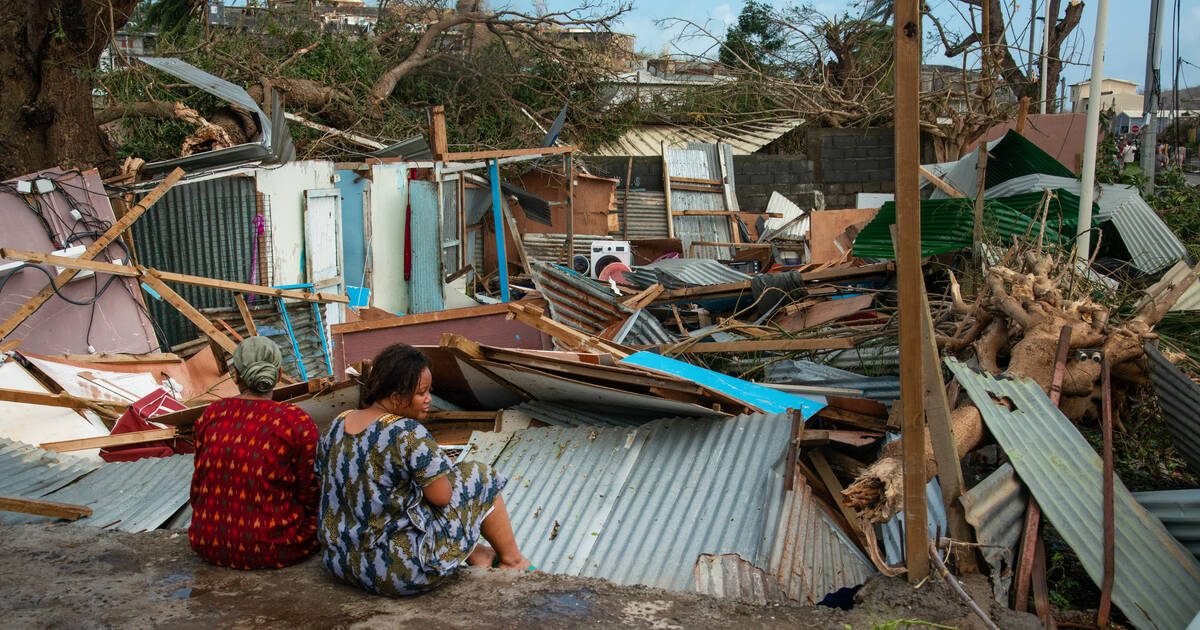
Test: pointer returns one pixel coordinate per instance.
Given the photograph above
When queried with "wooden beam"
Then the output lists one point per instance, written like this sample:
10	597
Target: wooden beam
437	132
134	272
768	345
625	201
40	507
940	183
1022	114
247	319
693	180
152	280
643	298
666	167
229	329
907	32
93	250
55	400
516	235
106	441
831	482
152	357
941	434
853	439
724	213
503	153
534	317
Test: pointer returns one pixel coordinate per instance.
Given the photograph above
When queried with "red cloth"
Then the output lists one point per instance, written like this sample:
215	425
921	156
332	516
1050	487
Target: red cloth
254	492
135	418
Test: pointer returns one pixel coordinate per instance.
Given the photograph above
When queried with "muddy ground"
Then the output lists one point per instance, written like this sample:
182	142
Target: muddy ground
62	576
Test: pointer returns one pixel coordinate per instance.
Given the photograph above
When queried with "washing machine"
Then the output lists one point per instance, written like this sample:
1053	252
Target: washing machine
607	252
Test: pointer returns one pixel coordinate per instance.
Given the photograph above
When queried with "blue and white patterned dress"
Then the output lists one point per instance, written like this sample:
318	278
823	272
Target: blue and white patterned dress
377	530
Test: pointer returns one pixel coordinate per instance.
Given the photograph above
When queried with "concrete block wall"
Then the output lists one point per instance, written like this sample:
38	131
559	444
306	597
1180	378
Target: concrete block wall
757	176
850	161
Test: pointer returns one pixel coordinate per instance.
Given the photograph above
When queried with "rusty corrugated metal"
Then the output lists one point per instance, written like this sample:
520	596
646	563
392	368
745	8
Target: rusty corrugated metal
646	214
552	248
678	273
578	301
1157	582
1179	399
728	576
996	508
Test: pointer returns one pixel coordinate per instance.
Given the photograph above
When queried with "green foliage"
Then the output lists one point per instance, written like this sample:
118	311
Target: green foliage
755	41
170	15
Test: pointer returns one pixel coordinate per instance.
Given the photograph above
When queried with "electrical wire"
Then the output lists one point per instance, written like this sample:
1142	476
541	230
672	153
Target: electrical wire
88	302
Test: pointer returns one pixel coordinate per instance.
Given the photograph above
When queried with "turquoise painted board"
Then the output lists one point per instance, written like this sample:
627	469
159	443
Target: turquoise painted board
765	398
351	187
425	285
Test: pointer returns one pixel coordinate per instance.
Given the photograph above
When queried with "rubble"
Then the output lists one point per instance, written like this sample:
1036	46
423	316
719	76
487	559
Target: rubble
691	395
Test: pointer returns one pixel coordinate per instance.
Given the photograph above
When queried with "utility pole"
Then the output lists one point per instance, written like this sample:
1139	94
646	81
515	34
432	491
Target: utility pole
1095	104
1151	94
1032	25
1047	90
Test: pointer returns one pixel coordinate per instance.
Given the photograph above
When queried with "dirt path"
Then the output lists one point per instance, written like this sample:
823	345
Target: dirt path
59	576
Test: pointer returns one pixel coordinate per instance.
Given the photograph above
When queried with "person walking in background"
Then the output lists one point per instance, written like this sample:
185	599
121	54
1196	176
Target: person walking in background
1127	155
254	492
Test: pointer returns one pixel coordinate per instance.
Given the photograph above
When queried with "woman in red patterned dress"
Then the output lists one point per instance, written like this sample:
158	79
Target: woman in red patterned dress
254	494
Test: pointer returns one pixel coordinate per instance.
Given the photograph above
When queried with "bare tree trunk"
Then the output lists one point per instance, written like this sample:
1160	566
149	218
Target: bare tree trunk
48	51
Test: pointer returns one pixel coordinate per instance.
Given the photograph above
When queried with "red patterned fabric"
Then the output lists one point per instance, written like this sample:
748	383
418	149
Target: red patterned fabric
254	493
135	418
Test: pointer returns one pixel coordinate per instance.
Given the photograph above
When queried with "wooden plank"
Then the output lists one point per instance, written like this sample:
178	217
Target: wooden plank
625	201
437	132
129	271
569	171
229	329
852	419
769	345
643	298
907	32
427	318
9	346
503	153
940	183
534	317
247	319
55	400
106	441
693	188
152	357
694	180
666	166
941	434
97	246
196	317
853	439
516	236
724	213
835	490
1022	114
40	507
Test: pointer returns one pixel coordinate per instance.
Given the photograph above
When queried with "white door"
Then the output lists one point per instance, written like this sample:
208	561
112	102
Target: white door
323	248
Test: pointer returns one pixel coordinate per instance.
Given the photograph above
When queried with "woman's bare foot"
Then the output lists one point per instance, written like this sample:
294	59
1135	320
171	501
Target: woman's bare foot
481	556
519	563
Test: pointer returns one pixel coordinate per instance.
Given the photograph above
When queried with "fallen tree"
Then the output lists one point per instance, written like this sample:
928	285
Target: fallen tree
1012	328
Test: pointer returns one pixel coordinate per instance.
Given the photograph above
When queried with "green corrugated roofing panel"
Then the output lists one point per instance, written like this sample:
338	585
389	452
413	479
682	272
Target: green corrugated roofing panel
1063	210
1015	156
948	224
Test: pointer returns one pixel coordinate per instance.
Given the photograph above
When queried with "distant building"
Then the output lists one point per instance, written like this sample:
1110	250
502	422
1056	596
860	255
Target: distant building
950	79
1132	120
1115	94
661	79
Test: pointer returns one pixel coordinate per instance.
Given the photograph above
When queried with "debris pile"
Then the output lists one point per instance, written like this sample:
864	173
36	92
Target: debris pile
701	397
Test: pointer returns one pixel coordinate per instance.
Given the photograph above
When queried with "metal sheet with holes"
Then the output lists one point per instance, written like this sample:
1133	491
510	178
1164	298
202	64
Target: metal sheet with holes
1157	581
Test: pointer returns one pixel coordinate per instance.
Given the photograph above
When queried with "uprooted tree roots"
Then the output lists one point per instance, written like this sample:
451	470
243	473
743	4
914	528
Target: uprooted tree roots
1013	329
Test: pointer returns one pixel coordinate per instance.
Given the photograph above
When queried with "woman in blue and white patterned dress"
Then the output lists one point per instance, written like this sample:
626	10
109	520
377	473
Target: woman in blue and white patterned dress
396	515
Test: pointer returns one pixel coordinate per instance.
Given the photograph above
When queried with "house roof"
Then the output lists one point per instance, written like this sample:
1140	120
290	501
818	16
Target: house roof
745	137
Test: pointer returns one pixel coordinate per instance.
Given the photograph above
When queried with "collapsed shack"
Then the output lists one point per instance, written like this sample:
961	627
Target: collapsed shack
693	395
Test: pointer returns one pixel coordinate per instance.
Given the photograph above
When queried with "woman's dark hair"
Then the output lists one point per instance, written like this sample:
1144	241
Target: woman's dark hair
395	370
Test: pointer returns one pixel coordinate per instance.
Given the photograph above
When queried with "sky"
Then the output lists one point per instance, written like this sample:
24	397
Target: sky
1125	49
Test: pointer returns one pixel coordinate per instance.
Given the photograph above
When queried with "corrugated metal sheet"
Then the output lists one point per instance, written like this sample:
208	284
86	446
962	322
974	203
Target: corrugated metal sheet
1151	244
425	286
678	273
269	322
1179	399
567	415
812	556
129	496
728	576
884	389
412	149
745	138
891	533
788	226
647	213
996	508
552	248
207	229
701	161
1179	511
1009	157
1157	581
947	225
1180	272
578	301
643	329
879	357
275	141
31	472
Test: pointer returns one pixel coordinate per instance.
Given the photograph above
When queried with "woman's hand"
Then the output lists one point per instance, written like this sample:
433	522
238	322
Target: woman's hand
438	492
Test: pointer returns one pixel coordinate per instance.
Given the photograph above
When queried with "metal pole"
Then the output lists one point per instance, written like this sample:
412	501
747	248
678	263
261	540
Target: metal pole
1032	24
1045	89
1151	94
1095	103
501	256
